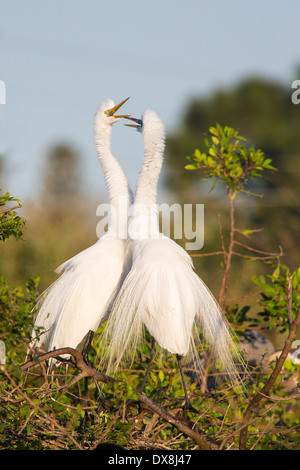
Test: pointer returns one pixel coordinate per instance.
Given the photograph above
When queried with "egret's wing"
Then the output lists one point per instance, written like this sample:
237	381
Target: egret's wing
78	301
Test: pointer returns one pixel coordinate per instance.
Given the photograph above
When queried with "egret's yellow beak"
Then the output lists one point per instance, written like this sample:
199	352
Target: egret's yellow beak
112	111
137	126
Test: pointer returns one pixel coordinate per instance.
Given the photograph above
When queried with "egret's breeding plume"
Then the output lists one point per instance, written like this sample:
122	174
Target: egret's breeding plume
162	292
79	300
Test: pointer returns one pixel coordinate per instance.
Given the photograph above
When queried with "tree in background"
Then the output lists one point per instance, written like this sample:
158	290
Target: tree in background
58	222
263	112
61	183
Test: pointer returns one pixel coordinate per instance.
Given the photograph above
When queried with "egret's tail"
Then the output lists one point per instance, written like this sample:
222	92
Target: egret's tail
218	334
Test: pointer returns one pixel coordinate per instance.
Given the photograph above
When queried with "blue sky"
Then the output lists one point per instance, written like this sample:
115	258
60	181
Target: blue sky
60	60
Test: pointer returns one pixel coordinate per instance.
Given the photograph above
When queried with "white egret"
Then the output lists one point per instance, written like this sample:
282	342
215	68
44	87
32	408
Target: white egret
162	292
79	300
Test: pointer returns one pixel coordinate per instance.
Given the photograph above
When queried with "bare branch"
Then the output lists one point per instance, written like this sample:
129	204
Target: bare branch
86	370
214	253
198	436
229	253
289	299
265	253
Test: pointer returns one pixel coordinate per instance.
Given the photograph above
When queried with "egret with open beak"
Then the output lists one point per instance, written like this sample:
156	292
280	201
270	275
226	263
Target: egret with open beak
111	112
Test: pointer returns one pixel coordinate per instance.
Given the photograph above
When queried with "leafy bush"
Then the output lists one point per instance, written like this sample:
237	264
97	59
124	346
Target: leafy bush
280	297
16	305
228	160
10	223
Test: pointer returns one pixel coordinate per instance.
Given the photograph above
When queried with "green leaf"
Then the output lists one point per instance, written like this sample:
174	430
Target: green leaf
131	393
247	232
210	162
276	273
197	154
161	375
213	185
190	167
213	131
212	151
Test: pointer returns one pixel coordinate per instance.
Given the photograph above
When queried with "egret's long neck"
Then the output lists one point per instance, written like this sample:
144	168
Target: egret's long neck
146	213
116	182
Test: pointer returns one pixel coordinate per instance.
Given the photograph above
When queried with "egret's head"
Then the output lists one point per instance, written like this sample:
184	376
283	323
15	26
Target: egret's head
149	123
108	110
138	126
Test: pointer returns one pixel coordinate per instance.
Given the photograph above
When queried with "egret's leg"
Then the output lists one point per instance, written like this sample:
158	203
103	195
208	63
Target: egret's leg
141	387
85	355
188	405
152	354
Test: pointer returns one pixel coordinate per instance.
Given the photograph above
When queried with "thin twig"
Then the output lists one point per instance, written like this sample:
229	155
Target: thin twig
108	429
290	299
35	406
266	253
228	254
243	297
9	210
86	370
214	253
222	238
252	230
262	432
271	256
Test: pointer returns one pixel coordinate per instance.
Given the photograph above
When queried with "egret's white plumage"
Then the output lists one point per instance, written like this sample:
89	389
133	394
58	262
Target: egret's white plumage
79	300
161	292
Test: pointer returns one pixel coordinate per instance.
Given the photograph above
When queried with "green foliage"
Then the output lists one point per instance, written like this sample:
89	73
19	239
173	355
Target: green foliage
16	305
228	160
280	297
10	223
278	300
